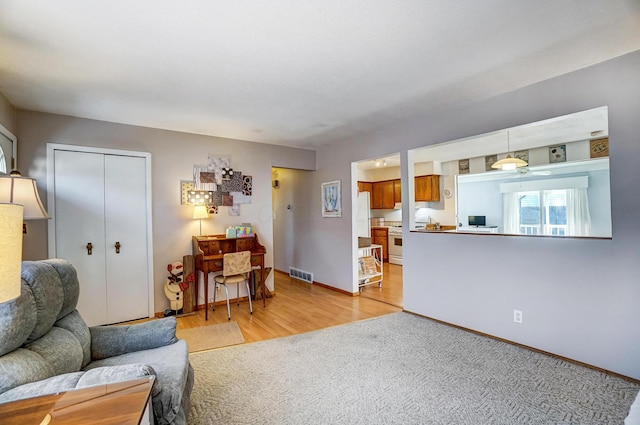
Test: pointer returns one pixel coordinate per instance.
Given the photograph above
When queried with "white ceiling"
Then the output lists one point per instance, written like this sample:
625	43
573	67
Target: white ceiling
290	72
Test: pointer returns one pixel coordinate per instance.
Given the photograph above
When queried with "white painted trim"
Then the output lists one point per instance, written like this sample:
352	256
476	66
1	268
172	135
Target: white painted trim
9	135
51	148
14	145
579	182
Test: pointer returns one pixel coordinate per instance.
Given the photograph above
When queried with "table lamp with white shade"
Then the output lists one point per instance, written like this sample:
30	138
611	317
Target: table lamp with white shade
200	212
16	189
10	251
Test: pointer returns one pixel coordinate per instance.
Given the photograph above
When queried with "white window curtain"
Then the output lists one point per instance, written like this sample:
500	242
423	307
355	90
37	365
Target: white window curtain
578	217
511	212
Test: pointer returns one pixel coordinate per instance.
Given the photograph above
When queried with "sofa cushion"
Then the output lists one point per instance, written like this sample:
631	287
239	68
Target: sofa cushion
109	341
174	376
74	323
21	367
60	349
46	287
17	320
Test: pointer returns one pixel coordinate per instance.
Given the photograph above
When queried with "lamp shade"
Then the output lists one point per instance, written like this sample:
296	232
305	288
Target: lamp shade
15	189
200	212
10	251
509	163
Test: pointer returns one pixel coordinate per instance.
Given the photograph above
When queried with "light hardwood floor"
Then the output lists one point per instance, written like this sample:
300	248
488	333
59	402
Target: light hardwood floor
297	307
391	290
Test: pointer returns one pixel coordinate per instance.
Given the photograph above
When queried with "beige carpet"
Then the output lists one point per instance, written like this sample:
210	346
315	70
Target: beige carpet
399	369
211	336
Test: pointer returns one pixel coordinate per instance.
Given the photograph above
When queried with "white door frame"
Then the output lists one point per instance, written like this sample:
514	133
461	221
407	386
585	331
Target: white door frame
51	148
13	163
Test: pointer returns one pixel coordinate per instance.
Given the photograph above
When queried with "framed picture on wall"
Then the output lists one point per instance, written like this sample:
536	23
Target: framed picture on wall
331	199
558	153
463	166
599	147
489	161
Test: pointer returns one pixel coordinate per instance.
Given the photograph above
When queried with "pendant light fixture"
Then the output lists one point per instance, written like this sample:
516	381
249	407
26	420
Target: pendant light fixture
509	163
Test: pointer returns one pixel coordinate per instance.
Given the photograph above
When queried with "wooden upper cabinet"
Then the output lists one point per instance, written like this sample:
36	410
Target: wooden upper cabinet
427	188
382	196
397	191
365	187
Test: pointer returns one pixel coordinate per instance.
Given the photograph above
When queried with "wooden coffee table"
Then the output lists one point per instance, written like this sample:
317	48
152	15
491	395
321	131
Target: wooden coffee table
120	403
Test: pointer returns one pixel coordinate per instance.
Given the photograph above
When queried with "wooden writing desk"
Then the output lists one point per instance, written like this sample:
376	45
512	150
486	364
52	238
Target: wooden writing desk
208	252
120	403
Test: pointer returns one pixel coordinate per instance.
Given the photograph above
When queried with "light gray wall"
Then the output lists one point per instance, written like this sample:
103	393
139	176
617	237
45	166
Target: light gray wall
173	156
579	297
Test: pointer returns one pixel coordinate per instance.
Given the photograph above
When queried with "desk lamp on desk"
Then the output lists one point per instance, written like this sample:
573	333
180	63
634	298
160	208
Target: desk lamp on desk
200	212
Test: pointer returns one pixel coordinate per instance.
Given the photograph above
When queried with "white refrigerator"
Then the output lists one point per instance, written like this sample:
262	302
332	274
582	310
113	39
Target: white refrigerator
363	218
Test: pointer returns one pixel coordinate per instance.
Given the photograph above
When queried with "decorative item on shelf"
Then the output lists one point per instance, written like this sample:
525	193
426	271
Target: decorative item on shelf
230	232
244	231
509	163
331	202
200	212
16	189
10	251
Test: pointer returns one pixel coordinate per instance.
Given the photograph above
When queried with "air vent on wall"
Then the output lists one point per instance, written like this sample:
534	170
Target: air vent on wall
301	274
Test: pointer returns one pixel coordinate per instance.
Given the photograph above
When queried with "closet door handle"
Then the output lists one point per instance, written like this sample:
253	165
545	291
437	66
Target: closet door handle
117	247
89	248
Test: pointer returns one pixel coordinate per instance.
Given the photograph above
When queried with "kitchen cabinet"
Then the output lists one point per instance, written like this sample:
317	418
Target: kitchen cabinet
382	196
366	187
380	236
427	188
397	191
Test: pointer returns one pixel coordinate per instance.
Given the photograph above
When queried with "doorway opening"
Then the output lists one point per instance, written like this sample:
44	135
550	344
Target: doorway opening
378	216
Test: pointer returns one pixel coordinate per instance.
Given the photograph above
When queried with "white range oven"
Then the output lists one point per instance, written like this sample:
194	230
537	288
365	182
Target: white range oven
395	245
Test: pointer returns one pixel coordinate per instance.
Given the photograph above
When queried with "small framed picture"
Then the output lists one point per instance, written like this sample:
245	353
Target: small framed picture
331	203
463	166
599	147
558	153
489	161
523	155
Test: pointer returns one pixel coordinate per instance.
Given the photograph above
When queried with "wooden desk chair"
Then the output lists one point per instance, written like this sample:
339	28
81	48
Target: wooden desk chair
236	267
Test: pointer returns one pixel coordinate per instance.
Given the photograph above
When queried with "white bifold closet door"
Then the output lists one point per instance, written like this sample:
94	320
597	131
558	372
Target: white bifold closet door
101	200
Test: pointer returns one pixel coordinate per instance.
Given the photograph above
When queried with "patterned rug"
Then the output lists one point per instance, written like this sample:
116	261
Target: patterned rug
211	336
399	369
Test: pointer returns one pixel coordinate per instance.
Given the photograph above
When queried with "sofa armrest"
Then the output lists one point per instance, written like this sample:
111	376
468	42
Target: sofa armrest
77	380
114	340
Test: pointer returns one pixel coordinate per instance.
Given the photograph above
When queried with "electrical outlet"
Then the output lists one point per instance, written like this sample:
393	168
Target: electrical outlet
517	316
